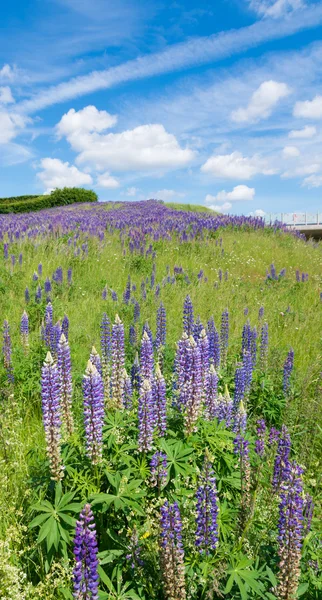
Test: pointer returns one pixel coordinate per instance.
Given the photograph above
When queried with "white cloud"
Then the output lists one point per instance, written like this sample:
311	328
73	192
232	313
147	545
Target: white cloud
105	180
262	102
276	8
11	125
235	166
144	148
221	207
168	194
313	181
57	174
291	152
196	51
259	212
6	95
301	171
309	109
239	193
132	191
7	73
89	119
306	133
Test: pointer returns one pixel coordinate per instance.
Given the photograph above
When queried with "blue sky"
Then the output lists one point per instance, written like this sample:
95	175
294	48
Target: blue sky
216	103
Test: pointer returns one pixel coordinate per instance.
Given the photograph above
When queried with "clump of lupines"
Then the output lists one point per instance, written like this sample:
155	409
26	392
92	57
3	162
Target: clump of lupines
127	391
66	386
146	417
171	552
158	469
161	327
24	331
93	394
51	409
207	509
146	357
188	318
224	336
118	363
290	527
193	399
6	349
211	395
287	371
263	351
85	573
282	462
159	401
260	441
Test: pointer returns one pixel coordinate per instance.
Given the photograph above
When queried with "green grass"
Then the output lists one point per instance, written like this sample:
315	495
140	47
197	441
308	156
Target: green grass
293	311
189	207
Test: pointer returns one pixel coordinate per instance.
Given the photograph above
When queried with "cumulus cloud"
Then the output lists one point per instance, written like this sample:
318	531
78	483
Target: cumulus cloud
301	171
7	73
57	174
313	181
146	147
309	109
168	194
262	102
221	207
259	212
105	180
275	8
235	166
291	152
239	193
6	95
11	125
306	133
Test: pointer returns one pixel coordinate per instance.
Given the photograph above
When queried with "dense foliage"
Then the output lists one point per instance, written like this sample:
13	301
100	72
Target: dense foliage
58	197
160	413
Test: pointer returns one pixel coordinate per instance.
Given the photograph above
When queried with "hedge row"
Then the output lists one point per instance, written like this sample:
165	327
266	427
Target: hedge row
59	197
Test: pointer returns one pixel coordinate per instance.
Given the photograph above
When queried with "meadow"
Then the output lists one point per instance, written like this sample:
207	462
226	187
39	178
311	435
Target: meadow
187	452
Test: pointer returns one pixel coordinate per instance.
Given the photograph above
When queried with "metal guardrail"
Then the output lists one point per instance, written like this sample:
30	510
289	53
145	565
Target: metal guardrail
295	219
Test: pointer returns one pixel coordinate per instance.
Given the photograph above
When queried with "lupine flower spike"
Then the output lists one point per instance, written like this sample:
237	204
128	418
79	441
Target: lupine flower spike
118	360
51	409
146	417
224	336
93	412
171	552
24	331
194	390
66	386
158	466
85	575
207	510
211	396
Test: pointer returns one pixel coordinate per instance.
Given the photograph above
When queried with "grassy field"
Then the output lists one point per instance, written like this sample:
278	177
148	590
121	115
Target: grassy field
293	311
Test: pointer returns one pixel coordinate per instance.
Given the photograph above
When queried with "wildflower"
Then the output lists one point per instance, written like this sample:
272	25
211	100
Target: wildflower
27	295
50	394
93	394
66	386
194	389
24	331
161	327
171	552
135	372
188	318
146	357
224	336
127	391
287	371
263	352
65	327
282	463
85	573
207	510
214	343
211	395
146	417
158	468
118	362
95	359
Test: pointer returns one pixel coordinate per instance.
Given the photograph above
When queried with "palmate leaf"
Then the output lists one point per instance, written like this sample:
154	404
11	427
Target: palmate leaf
244	577
177	456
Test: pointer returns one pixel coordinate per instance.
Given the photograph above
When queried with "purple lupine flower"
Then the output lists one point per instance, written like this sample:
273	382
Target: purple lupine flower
224	336
133	335
66	386
274	436
24	331
104	293
171	552
152	279
137	312
135	373
207	510
38	294
263	351
225	408
282	462
35	276
65	326
297	276
146	357
290	533
55	337
159	401
47	285
58	275
118	363
181	365
260	442
27	295
240	386
20	259
69	275
282	273
203	344
287	371
127	292
188	318
114	296
134	551
13	260
5	251
240	419
211	395
127	391
39	269
214	344
50	394
246	311
160	337
143	291
248	368
261	313
95	359
157	290
146	417
146	327
194	389
93	394
85	573
246	337
6	349
253	346
197	329
273	272
158	469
